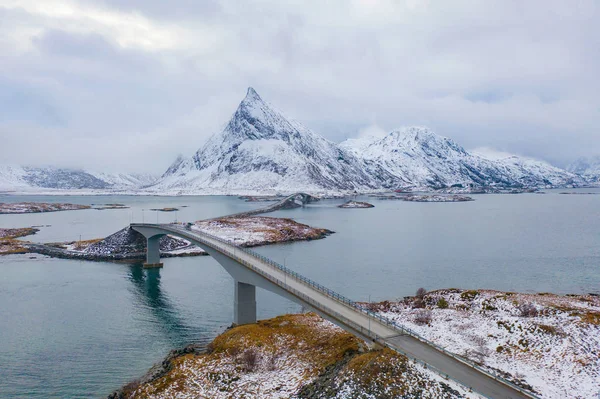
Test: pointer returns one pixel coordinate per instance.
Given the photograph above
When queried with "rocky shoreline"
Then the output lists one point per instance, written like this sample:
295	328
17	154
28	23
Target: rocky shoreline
298	356
305	357
127	245
157	371
9	245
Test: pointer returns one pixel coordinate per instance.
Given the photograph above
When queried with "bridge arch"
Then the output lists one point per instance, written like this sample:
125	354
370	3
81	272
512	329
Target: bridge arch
245	280
250	270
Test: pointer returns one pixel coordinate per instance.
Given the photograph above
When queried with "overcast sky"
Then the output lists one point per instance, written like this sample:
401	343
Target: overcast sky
127	85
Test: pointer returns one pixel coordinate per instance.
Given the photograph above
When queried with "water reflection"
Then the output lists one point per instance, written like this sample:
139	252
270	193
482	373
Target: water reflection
149	295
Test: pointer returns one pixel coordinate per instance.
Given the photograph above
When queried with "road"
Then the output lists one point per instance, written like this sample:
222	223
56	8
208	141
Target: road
348	315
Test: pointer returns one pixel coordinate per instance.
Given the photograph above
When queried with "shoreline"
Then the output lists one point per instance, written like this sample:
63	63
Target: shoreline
48	250
467	303
275	193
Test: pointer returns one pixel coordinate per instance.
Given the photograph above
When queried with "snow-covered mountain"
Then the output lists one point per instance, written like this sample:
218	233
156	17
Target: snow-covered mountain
418	157
125	181
589	168
533	172
261	150
25	178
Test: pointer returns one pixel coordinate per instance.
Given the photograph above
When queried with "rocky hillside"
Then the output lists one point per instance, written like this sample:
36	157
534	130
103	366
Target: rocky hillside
292	356
127	241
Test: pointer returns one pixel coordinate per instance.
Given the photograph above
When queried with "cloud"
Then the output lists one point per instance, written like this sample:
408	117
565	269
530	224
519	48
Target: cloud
84	78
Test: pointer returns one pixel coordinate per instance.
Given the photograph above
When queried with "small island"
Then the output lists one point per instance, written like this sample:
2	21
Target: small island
129	245
38	207
356	204
165	209
10	245
261	198
424	197
436	198
575	193
102	207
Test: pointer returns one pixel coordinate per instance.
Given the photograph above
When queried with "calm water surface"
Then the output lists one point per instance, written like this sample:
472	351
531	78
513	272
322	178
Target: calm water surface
72	329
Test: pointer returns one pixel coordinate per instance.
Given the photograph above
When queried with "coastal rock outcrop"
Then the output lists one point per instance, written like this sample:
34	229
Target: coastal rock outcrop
356	204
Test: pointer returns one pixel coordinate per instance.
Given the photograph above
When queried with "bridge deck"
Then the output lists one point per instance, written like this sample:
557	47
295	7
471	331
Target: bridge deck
357	319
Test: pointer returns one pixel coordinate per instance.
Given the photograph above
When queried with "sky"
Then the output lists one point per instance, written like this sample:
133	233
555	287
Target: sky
127	85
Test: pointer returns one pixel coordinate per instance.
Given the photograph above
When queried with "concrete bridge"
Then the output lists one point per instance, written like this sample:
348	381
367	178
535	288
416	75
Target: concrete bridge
250	270
291	201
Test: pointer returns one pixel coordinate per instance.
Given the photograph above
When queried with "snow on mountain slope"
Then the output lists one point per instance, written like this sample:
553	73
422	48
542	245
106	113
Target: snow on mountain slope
532	172
12	178
589	168
25	178
528	171
261	150
125	180
418	157
357	145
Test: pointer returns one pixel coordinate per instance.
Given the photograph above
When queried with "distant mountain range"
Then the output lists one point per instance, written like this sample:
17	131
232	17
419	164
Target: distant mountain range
588	168
35	179
262	151
417	157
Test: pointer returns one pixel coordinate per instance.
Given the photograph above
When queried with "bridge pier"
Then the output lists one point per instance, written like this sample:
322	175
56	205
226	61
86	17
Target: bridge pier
245	303
153	252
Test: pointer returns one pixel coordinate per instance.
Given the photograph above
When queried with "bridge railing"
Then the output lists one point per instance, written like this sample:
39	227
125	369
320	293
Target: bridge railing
384	320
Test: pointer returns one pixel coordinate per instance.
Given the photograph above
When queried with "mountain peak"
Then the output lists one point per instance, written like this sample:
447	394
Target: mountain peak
256	119
414	132
251	96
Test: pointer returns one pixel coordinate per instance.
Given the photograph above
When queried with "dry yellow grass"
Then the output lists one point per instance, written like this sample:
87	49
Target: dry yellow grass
313	343
379	369
8	244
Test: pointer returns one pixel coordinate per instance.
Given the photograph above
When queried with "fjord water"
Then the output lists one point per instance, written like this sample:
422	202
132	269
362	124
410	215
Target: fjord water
74	329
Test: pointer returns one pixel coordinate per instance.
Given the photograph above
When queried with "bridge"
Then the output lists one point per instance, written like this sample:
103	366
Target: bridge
250	270
291	201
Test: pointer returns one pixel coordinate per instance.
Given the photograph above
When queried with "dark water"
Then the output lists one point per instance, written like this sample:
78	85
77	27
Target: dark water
72	329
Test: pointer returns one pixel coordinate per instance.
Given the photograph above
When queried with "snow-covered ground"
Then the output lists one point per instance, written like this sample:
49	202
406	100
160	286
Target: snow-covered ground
295	356
259	230
547	341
